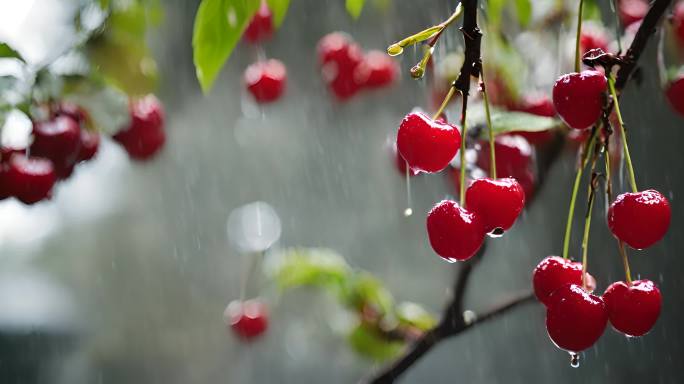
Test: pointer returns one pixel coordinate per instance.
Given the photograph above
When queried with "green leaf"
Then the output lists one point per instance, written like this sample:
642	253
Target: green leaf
310	267
591	11
367	342
505	121
494	11
7	52
124	63
219	24
354	8
414	315
279	10
365	289
523	9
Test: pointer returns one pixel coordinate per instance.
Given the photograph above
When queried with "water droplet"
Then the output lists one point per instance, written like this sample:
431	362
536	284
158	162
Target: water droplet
408	212
395	50
469	316
253	227
417	71
574	360
496	233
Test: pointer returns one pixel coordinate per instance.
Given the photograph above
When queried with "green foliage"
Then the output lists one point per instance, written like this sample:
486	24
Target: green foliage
354	7
591	11
370	343
279	9
412	314
311	267
523	10
507	121
363	289
219	24
7	52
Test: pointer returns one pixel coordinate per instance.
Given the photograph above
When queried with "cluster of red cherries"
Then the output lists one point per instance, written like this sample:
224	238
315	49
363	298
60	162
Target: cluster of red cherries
65	139
346	70
456	232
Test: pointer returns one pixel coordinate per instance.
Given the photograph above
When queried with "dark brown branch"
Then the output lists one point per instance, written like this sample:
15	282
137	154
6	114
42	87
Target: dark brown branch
646	30
452	322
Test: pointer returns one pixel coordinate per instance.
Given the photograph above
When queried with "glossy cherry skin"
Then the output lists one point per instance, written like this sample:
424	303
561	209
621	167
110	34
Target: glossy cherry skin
59	140
248	319
29	179
145	135
593	36
340	57
578	98
455	233
575	319
90	143
400	163
377	70
639	219
631	11
260	28
633	310
675	94
427	145
678	22
266	80
497	202
552	273
513	159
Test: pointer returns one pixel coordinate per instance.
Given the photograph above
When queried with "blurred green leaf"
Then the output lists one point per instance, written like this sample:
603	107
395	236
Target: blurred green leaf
354	7
412	314
367	342
279	9
506	121
591	11
365	289
494	12
124	63
310	267
523	9
7	52
219	24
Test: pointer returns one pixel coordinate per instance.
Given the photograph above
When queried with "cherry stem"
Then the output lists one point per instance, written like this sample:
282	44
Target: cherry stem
587	225
625	261
464	107
492	153
433	33
623	134
248	272
614	6
575	188
660	57
446	100
577	36
409	210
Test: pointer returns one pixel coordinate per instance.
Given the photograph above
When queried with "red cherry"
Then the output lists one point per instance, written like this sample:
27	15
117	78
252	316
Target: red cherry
552	273
5	190
513	159
427	145
377	70
90	143
632	11
145	135
575	319
455	233
339	58
400	163
633	310
260	28
497	202
578	98
72	110
593	36
29	179
678	22
639	219
266	80
59	140
248	319
675	94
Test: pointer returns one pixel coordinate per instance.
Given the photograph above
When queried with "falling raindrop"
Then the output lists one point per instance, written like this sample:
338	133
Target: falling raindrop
253	227
574	360
496	233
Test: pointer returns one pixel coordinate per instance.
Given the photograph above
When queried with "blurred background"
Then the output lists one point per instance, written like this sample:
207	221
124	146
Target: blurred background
124	275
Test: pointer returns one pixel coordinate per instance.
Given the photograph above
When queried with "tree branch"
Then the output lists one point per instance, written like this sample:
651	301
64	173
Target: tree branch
452	322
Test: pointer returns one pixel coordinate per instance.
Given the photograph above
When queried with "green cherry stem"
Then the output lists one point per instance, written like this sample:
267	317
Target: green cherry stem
614	7
587	225
492	153
575	188
446	100
428	33
623	135
464	107
577	36
625	261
